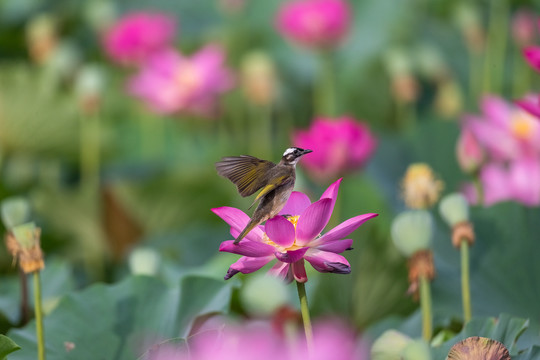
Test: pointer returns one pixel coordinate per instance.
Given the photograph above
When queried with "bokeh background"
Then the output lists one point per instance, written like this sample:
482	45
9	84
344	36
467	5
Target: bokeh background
115	150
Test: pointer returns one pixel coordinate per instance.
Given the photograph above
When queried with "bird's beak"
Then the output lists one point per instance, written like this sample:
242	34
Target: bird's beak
306	151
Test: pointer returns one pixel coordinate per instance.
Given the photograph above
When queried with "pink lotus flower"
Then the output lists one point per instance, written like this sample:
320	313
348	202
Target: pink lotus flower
291	240
314	23
339	145
518	181
257	341
137	36
530	104
171	83
506	131
532	55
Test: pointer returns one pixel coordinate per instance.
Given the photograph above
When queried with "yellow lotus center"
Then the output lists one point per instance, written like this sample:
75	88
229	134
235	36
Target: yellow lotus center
522	125
421	188
266	239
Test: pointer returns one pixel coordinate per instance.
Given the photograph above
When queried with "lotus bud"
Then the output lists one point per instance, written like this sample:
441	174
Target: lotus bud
470	154
416	350
448	99
100	14
389	345
144	261
259	78
41	37
467	18
412	231
475	347
89	86
263	295
524	27
421	189
454	209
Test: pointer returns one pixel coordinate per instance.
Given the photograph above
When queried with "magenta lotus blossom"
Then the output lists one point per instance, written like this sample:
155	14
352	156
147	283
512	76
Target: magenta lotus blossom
532	55
314	23
506	131
531	104
332	340
292	238
339	145
171	83
137	36
517	181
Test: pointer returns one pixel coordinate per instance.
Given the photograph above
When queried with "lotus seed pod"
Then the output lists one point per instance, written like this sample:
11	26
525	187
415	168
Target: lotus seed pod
421	188
416	350
389	346
412	231
475	347
15	211
263	295
144	261
454	209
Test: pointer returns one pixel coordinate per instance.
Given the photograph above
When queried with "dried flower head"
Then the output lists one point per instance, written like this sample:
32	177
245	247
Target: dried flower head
23	243
421	188
476	347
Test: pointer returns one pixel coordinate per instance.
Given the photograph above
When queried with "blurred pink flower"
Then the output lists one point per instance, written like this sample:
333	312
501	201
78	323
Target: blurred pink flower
518	181
532	55
339	145
505	130
531	104
292	239
524	27
172	83
332	340
469	152
314	23
137	36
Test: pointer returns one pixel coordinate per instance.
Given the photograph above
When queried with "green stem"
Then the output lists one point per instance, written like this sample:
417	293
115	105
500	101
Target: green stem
425	304
39	316
325	93
496	47
479	190
90	151
465	287
305	314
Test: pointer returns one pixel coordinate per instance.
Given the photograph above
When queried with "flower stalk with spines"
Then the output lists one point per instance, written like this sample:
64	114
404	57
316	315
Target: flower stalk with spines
23	243
454	209
411	232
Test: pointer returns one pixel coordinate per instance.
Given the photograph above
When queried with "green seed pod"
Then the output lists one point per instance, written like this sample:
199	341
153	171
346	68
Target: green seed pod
389	346
412	231
263	295
416	350
15	211
454	209
144	261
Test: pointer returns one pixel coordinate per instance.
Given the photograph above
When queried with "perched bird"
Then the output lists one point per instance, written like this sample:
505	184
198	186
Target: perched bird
250	174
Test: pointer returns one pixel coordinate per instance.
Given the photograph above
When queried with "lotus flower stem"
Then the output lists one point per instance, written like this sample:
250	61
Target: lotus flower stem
425	304
90	150
465	287
305	313
39	316
479	190
325	101
496	46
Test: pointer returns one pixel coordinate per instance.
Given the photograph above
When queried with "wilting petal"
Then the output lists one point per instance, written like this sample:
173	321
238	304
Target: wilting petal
324	261
313	220
247	265
297	203
291	256
280	231
345	228
336	246
247	248
238	220
280	270
299	271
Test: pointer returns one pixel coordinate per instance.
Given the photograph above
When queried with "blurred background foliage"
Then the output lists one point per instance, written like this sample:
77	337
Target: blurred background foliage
153	184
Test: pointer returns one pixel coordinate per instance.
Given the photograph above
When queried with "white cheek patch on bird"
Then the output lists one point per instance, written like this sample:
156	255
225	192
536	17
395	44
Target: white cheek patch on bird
289	151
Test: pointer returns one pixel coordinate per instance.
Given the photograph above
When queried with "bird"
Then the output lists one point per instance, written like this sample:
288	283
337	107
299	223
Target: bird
250	174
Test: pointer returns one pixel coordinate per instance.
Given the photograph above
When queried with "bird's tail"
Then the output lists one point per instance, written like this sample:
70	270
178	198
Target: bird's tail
246	231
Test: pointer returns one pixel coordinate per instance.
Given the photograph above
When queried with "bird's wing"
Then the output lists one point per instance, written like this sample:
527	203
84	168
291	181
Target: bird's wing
275	183
246	172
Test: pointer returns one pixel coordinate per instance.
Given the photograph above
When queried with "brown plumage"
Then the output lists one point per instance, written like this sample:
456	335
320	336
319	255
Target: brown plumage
250	174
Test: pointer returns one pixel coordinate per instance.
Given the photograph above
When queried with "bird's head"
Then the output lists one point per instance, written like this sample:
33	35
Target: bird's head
293	154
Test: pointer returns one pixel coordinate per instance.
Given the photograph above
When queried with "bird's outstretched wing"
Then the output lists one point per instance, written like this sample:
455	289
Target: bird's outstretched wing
246	172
